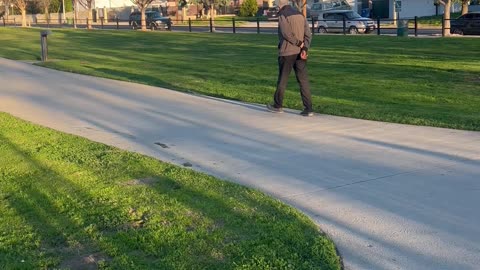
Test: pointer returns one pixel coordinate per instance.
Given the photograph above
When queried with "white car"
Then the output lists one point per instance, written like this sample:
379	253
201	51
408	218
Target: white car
332	22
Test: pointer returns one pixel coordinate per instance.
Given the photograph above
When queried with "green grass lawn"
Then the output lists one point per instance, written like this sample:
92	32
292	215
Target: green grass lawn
66	202
421	81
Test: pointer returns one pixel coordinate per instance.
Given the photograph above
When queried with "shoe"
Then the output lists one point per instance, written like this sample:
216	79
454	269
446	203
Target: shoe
274	109
306	113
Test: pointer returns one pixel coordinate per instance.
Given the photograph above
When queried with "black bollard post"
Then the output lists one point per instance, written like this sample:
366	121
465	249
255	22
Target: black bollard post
378	26
44	44
258	25
416	26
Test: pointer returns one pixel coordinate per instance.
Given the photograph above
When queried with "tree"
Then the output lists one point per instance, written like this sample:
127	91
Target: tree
22	6
142	5
87	4
75	13
211	5
223	4
301	5
249	8
45	4
56	6
183	4
465	6
447	5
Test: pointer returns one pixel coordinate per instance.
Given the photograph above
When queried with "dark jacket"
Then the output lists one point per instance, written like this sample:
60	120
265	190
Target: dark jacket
293	29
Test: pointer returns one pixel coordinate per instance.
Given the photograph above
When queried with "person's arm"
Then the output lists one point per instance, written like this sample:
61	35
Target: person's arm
287	32
307	36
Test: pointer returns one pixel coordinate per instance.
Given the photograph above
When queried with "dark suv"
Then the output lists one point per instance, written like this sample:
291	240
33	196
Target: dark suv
153	19
467	24
272	13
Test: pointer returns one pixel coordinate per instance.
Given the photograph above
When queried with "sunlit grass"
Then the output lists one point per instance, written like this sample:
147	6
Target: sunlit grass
68	203
429	81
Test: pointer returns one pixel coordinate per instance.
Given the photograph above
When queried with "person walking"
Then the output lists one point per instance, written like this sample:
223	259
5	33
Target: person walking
294	41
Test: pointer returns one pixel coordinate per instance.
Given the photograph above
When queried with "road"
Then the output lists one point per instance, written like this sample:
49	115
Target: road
265	27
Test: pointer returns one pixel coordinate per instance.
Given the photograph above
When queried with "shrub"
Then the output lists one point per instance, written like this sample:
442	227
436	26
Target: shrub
249	8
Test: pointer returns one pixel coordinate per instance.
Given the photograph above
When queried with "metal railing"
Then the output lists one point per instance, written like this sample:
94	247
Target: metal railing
259	25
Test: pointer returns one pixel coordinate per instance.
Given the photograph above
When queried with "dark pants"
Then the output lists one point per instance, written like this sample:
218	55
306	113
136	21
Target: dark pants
285	65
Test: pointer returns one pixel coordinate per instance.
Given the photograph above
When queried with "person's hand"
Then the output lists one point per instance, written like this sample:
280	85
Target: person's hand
303	55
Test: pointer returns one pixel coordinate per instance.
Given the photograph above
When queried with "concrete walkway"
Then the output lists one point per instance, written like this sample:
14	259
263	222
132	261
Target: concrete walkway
391	196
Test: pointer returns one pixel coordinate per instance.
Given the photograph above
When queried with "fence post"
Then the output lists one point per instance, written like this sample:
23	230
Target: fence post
87	23
189	25
416	26
313	25
101	22
344	26
443	27
233	23
3	21
14	22
211	25
378	26
258	25
118	26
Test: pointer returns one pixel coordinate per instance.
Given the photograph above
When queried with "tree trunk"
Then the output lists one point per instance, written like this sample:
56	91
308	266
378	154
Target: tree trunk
75	15
24	17
212	15
446	17
47	14
465	6
304	8
143	21
89	17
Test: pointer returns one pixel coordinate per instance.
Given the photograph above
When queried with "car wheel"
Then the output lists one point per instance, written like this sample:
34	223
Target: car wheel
322	30
353	30
458	31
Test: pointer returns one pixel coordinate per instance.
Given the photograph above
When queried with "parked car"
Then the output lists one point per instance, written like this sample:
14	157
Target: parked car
321	27
272	13
467	24
331	21
322	6
153	19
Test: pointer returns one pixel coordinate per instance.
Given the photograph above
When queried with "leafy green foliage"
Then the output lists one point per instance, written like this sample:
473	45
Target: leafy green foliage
249	8
66	202
56	6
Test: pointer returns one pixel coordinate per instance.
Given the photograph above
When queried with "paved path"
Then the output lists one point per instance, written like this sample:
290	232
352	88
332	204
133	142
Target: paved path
391	196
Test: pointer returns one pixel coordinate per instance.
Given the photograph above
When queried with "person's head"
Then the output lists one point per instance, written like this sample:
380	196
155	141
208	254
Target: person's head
282	3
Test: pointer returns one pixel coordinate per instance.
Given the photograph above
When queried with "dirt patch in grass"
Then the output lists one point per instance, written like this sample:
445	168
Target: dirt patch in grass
149	181
85	262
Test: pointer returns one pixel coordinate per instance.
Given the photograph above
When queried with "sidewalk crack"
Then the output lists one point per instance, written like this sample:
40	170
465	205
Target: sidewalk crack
350	184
